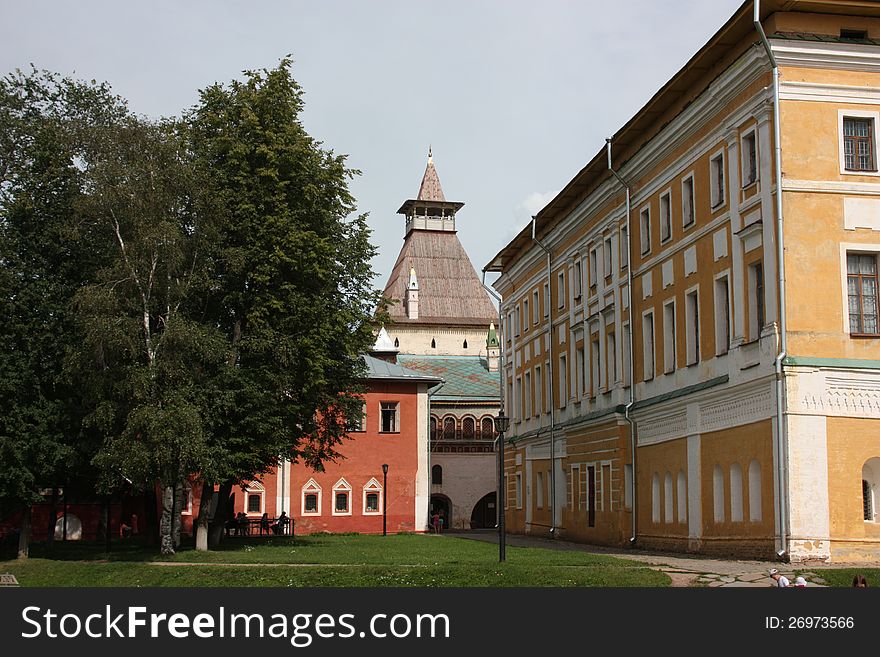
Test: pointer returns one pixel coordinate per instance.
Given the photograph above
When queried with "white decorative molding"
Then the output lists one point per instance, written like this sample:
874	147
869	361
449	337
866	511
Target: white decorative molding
833	392
668	275
861	213
831	187
829	93
737	410
820	54
719	244
647	285
666	427
690	260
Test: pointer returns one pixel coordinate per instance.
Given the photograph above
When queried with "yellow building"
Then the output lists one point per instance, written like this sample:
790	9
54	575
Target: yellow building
672	382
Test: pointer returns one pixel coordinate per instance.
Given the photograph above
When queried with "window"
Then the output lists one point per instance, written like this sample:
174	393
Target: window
669	340
854	35
468	428
519	399
539	491
528	396
578	277
311	498
372	497
667	499
187	508
612	360
341	497
389	417
627	355
464	345
254	503
434	424
755	491
648	346
736	493
716	180
396	343
749	158
535	309
563	381
722	316
861	283
359	421
254	495
449	428
718	493
870	484
508	329
581	365
560	290
607	257
756	300
539	391
624	248
546	299
858	144
594	267
433	343
487	429
692	325
595	367
682	497
665	217
687	201
645	229
518	490
517	320
525	315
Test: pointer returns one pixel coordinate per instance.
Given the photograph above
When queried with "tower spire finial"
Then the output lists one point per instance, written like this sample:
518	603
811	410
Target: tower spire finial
430	156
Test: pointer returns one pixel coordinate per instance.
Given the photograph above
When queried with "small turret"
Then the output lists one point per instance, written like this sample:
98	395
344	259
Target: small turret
493	349
384	348
412	295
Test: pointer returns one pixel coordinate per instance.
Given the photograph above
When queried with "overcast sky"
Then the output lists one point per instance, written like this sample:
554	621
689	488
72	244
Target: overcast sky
514	97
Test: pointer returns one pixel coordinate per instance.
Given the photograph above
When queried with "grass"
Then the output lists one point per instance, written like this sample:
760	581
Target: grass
328	560
843	577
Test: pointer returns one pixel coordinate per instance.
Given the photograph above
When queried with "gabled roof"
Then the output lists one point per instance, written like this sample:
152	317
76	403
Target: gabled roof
465	377
450	291
383	370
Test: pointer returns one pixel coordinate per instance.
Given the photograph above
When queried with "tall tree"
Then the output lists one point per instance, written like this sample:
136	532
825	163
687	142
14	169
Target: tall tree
291	288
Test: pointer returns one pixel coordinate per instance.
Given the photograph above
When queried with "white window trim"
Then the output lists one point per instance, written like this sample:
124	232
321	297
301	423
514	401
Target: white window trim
560	289
719	154
341	486
689	176
188	506
518	491
623	244
667	194
311	487
851	247
687	327
372	486
396	416
608	255
255	488
645	315
743	162
666	367
856	114
730	319
536	310
645	211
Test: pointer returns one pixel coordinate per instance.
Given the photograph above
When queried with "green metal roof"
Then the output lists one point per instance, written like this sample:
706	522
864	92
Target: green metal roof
381	369
465	377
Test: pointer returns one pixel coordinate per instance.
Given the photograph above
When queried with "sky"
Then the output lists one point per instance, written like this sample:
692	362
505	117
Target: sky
514	97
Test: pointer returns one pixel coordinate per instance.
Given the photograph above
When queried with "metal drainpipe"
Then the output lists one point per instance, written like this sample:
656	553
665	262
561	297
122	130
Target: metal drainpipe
550	374
502	490
430	448
632	381
781	439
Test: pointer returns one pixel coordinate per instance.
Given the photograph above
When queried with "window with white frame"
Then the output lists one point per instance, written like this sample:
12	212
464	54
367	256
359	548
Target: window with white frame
861	288
358	422
187	508
665	217
858	144
536	311
624	248
539	391
563	381
722	315
611	359
756	300
517	320
627	354
594	267
755	511
718	493
595	366
509	328
525	315
372	497
716	180
519	399
681	495
645	229
390	420
688	215
669	341
528	396
578	277
870	488
560	289
519	495
648	346
736	493
546	299
749	149
581	373
692	326
667	498
255	495
311	498
342	498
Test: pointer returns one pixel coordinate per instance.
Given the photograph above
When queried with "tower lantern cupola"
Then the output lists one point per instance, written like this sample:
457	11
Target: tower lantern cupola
431	210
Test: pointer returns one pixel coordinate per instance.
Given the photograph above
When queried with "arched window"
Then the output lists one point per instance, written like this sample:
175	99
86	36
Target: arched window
655	498
755	512
433	428
433	343
449	428
255	496
436	475
718	493
372	498
667	498
682	497
488	428
311	498
736	493
342	498
396	343
870	486
468	428
464	345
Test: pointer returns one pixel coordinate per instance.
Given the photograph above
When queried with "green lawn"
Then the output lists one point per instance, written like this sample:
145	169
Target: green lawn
844	576
328	560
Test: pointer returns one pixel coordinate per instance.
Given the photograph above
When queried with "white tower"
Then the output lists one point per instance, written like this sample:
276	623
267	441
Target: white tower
412	295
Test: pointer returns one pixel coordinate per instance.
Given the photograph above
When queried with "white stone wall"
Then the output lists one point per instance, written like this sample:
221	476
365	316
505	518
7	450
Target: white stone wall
416	340
466	479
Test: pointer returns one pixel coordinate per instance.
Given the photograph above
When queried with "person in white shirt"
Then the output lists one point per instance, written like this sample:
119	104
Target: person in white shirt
780	579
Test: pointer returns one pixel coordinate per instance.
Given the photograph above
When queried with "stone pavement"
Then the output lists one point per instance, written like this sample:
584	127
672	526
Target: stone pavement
683	569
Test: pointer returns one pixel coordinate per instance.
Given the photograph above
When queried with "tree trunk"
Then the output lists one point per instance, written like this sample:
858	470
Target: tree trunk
166	539
151	519
24	538
103	519
201	528
108	533
218	524
53	511
176	510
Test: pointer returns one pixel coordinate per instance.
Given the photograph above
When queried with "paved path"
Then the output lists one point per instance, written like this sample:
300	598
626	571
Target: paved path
683	569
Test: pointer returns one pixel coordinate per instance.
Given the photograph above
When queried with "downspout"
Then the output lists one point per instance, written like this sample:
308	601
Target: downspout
781	441
552	379
431	393
501	502
632	381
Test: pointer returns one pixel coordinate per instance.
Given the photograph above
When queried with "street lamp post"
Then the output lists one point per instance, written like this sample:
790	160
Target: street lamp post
384	499
502	423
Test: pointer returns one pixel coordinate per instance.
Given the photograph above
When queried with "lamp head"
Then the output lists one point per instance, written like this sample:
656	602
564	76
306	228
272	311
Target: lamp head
384	468
502	423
